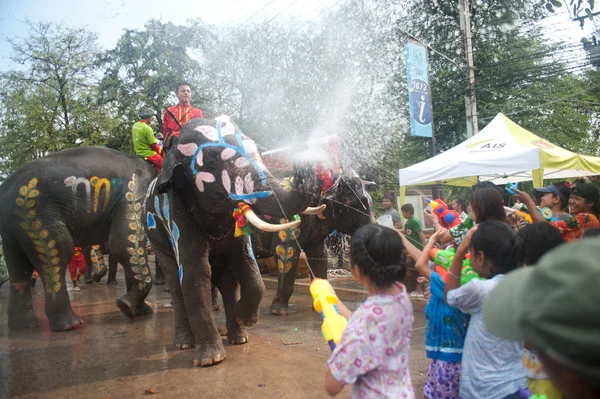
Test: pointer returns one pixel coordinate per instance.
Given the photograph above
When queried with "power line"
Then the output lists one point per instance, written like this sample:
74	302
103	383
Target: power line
253	15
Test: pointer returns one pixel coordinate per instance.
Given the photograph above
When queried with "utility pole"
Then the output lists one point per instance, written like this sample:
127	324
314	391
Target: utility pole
470	98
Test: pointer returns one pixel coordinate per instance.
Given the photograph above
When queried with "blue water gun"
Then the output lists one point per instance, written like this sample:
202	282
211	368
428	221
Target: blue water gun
512	188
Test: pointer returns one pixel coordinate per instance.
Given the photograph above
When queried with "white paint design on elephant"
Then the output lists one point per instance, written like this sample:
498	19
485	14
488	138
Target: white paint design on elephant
239	185
227	153
208	131
188	149
204	177
74	183
226	180
241	162
249	183
149	191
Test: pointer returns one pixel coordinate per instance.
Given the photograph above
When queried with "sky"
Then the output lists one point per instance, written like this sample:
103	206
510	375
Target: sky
108	18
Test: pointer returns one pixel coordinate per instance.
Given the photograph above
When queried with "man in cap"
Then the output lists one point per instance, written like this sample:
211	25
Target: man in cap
144	142
553	307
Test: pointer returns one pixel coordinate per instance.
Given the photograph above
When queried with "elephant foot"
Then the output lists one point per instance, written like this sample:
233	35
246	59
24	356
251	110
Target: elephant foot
125	307
24	320
245	316
143	309
160	281
279	309
65	322
209	354
222	331
184	340
237	336
112	282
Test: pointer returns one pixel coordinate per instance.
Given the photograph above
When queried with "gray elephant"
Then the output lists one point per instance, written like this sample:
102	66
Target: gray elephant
348	208
196	231
94	257
4	277
71	198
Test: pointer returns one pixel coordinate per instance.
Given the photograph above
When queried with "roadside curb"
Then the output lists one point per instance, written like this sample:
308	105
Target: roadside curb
345	294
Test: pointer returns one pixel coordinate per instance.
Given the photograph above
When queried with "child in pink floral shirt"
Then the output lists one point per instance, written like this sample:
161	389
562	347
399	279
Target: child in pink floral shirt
373	351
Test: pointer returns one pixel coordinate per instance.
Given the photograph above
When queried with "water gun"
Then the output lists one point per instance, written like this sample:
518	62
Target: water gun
446	217
524	215
325	303
545	212
525	393
512	188
443	260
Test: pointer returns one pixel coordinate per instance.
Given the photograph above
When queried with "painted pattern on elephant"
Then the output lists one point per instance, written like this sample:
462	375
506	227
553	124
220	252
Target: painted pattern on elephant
136	246
244	147
44	246
97	260
112	186
163	214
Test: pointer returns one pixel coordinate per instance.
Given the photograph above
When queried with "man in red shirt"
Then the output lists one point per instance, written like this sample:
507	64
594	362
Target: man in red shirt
177	116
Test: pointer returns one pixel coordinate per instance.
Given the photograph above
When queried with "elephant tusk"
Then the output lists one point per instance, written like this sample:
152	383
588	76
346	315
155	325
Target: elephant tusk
269	227
312	210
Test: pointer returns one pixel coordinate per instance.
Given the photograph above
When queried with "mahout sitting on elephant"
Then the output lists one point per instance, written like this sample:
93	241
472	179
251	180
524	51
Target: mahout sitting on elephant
348	208
75	197
210	170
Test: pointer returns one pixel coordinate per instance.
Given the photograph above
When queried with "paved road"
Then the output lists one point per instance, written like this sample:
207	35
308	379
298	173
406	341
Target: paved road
112	357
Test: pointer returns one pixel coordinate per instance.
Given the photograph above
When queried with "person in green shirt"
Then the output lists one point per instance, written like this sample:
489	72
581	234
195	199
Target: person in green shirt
412	227
144	142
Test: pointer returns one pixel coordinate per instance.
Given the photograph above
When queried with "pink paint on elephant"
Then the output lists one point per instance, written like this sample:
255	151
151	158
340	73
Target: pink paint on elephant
226	181
188	149
203	177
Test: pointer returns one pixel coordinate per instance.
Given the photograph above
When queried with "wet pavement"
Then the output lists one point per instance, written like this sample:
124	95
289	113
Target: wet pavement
112	357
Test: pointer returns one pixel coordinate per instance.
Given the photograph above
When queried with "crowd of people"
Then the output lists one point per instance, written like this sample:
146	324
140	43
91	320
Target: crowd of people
524	326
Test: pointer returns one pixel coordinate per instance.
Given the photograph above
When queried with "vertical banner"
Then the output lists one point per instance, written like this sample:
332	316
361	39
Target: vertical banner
419	93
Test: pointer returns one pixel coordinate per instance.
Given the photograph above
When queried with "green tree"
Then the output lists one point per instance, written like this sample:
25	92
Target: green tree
48	106
144	68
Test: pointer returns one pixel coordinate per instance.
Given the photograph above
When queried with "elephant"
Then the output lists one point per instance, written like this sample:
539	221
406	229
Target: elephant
94	257
348	208
211	172
75	197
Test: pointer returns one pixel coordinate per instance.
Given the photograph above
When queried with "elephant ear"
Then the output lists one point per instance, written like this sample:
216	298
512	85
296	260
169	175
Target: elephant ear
173	178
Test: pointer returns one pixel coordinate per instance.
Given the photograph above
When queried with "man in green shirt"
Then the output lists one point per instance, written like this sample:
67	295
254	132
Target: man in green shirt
412	227
144	142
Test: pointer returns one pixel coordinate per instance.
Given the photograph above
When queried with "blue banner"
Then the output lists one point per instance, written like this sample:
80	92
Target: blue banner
419	93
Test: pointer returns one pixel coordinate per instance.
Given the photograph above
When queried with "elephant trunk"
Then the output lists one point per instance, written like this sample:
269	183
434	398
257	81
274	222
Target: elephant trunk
288	200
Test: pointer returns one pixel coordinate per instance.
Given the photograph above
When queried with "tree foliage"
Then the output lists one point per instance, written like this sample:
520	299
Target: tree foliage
50	106
285	81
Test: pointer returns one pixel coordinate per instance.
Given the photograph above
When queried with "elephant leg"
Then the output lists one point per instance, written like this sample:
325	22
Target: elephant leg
317	259
127	243
20	304
286	279
216	305
88	276
244	267
184	336
230	290
160	276
51	258
98	264
196	288
112	270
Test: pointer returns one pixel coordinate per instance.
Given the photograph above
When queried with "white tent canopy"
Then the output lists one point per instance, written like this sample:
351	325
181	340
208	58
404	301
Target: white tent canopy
502	152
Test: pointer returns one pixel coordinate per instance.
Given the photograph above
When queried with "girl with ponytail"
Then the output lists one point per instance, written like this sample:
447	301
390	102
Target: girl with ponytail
373	351
490	367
